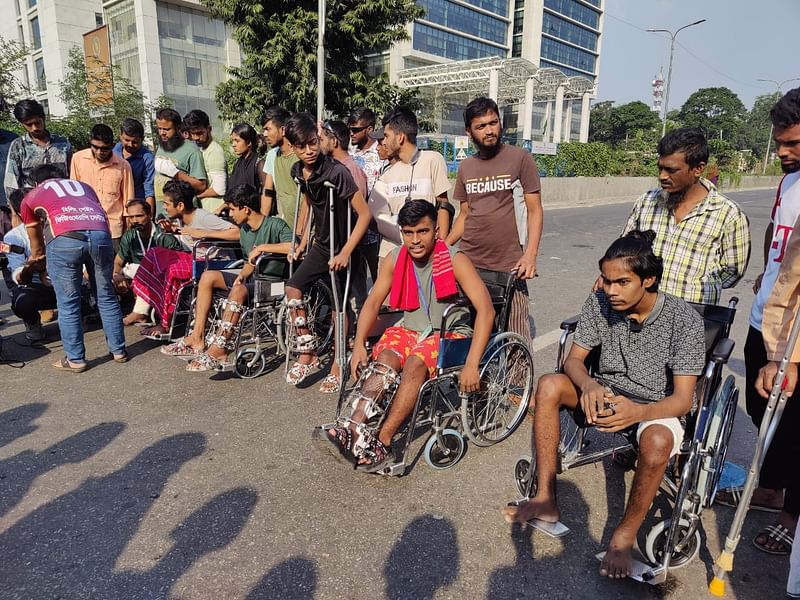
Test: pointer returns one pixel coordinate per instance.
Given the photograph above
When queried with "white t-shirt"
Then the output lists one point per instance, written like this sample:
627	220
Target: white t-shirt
784	216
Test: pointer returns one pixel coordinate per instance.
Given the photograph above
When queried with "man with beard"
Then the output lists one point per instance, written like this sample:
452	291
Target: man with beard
779	484
487	224
109	175
703	237
37	147
175	158
141	235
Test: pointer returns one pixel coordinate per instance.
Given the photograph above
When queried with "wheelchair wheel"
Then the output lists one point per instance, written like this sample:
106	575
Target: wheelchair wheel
446	454
245	369
319	305
657	537
525	476
716	438
494	413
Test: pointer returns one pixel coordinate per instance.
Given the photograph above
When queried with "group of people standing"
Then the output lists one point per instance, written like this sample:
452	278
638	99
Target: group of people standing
123	214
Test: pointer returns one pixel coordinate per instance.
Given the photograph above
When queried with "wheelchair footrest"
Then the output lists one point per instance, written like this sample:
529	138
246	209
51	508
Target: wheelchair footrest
642	572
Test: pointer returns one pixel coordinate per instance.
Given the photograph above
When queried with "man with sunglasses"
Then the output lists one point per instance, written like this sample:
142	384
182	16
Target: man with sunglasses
108	174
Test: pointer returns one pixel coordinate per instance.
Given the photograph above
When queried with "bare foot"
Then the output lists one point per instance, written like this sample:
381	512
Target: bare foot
307	358
134	317
539	507
155	330
616	564
767	497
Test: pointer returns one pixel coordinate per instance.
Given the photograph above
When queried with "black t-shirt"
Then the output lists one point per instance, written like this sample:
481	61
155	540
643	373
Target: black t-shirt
328	169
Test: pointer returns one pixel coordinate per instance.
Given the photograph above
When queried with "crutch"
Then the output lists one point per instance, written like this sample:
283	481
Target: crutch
292	247
769	425
340	306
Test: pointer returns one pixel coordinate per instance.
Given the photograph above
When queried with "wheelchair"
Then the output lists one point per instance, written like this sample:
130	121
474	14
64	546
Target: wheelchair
486	417
207	254
692	477
264	325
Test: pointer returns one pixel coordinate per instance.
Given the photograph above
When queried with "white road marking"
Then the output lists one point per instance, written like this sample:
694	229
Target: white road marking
548	339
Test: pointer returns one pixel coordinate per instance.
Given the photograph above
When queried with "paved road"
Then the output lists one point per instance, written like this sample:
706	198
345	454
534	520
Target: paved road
143	481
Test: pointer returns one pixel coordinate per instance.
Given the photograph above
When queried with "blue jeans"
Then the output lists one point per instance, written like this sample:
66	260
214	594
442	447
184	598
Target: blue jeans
66	258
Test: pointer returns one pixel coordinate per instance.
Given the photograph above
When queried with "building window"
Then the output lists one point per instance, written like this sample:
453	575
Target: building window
498	7
20	34
46	106
36	37
575	11
41	79
98	19
569	32
465	20
516	46
31	3
194	74
568	55
121	20
452	46
565	70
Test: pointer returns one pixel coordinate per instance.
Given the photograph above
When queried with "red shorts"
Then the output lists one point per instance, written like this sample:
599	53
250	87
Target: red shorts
403	342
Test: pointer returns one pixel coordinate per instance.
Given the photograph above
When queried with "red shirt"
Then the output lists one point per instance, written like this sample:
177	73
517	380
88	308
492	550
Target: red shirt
63	205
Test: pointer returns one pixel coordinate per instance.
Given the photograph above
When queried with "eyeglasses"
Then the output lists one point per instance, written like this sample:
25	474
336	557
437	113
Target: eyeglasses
102	148
357	129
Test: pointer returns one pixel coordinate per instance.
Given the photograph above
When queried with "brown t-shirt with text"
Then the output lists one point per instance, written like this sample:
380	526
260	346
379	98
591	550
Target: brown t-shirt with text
491	240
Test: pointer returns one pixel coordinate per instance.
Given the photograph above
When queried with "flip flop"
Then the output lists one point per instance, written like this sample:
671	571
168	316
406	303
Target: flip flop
63	365
776	533
332	445
330	385
180	349
121	358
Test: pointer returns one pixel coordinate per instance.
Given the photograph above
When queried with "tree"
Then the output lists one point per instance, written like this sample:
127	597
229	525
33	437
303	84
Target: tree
717	111
757	124
12	59
600	126
278	40
84	110
628	119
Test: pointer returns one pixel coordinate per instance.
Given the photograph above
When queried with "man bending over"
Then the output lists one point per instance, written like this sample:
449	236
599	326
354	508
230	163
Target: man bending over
652	349
423	277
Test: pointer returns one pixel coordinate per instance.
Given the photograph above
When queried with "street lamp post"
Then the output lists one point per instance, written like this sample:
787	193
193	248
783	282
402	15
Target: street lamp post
669	73
778	86
321	7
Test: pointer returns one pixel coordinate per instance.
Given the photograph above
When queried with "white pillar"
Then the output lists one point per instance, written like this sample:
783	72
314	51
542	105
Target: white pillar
559	116
547	131
583	137
566	130
494	83
527	111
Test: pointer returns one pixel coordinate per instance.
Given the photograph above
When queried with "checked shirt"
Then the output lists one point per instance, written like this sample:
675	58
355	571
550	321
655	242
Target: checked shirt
704	253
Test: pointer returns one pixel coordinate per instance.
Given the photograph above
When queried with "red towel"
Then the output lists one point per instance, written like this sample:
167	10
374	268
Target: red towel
404	295
159	278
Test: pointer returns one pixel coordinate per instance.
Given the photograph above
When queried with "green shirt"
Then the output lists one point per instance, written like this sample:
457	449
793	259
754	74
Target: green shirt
285	187
187	158
132	246
272	230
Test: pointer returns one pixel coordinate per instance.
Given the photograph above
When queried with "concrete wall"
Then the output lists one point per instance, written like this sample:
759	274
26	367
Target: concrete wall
584	191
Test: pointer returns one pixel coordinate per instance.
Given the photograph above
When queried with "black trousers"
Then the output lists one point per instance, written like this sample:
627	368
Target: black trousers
779	470
28	300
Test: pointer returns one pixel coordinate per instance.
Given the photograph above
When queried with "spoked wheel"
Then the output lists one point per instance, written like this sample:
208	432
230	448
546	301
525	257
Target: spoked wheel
447	453
717	436
684	549
494	413
319	311
250	363
525	476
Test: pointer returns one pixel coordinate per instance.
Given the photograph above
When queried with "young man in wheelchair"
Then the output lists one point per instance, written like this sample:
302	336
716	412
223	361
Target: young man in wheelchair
257	234
651	350
422	277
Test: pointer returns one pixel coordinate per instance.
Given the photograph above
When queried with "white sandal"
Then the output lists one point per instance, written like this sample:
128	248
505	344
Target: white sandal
299	372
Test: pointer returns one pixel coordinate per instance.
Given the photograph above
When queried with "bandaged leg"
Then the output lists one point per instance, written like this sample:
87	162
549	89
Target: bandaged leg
304	340
140	306
369	401
220	337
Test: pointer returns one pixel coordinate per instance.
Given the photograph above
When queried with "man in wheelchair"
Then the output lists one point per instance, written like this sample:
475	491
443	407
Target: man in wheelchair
422	278
257	234
650	349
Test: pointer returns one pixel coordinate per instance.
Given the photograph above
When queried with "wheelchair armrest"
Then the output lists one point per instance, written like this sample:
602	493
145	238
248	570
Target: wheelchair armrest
722	351
209	244
571	323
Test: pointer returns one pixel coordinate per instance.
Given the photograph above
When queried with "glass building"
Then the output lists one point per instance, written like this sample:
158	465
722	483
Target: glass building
571	36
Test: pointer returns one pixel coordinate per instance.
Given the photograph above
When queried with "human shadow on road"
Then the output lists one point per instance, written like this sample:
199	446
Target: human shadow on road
292	579
210	528
20	471
17	422
424	559
69	547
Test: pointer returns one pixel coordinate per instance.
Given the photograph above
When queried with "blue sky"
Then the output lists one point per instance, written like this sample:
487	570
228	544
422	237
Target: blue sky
740	42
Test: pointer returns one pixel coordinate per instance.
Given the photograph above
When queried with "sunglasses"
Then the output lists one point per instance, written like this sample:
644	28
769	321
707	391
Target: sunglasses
357	129
102	148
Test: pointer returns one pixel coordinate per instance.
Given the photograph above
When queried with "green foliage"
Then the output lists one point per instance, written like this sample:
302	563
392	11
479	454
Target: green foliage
756	128
717	111
278	39
594	159
12	58
615	124
83	110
